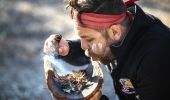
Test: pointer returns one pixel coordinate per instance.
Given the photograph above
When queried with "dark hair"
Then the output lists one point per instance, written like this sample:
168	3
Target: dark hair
113	7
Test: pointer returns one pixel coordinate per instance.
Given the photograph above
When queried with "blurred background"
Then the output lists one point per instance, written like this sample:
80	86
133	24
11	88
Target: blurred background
24	25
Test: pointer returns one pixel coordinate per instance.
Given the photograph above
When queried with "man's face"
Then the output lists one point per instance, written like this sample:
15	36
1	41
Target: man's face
95	44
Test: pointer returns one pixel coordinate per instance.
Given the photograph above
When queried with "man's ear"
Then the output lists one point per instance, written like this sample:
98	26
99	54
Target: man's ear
115	32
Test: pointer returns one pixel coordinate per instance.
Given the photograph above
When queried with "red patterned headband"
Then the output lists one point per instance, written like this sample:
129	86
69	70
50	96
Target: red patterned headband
101	21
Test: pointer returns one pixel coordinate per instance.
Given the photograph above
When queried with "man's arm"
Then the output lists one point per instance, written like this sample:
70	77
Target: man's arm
76	55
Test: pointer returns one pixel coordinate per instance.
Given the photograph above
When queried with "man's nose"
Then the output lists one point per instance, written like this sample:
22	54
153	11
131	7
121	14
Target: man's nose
84	45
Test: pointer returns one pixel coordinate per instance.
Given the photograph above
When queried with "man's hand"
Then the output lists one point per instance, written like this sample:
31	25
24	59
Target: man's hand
62	46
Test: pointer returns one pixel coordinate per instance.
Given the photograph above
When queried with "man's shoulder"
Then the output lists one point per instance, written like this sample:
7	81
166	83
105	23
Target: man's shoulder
158	32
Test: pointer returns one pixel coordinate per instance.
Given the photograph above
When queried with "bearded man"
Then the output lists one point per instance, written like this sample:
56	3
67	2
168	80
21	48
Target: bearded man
134	45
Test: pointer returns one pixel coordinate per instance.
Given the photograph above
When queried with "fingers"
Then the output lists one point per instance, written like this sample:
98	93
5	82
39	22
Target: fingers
46	49
62	46
63	50
45	46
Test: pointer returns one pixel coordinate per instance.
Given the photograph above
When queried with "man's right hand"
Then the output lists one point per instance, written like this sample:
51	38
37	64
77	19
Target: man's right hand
63	47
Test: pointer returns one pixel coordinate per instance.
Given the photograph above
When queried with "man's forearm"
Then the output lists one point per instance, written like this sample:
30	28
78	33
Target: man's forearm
76	55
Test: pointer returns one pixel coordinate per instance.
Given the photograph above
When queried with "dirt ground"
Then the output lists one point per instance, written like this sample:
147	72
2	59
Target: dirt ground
24	25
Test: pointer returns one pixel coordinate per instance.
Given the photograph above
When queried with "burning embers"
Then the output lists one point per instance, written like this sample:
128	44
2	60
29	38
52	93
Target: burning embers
74	83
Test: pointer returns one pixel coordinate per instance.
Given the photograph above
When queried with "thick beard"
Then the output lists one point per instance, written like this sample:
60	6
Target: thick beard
105	59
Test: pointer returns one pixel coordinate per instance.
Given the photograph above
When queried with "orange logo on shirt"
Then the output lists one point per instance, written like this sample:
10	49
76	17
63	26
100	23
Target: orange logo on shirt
127	86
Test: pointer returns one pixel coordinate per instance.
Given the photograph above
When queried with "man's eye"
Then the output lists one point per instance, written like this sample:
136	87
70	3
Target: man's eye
89	40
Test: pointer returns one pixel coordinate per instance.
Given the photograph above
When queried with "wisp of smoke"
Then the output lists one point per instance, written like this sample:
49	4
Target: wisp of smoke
63	68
